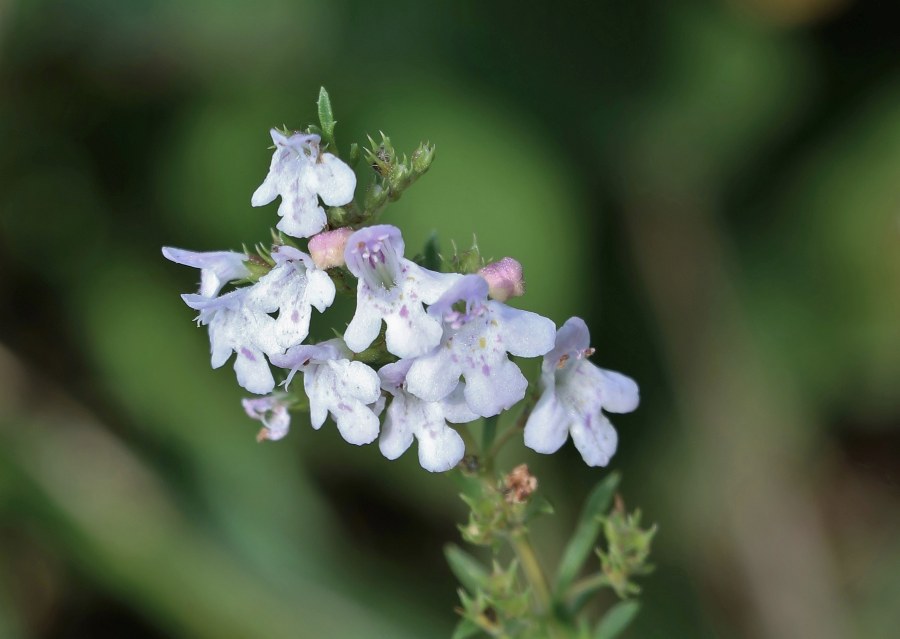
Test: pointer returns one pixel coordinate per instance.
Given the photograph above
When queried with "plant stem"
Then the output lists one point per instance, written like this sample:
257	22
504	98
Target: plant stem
517	427
533	573
578	593
488	434
466	434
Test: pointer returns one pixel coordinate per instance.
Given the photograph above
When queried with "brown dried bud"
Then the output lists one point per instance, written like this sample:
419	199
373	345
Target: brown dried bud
520	484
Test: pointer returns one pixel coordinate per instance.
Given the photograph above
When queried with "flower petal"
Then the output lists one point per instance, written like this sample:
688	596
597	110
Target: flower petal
336	181
620	392
397	431
490	392
456	410
365	325
525	334
595	438
547	427
253	371
572	337
356	422
433	376
301	215
411	332
440	447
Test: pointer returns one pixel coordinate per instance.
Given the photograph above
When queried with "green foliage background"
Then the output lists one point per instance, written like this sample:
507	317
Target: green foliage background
712	185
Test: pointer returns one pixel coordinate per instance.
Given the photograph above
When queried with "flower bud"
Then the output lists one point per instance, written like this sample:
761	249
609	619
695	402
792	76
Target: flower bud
399	177
327	249
422	158
504	279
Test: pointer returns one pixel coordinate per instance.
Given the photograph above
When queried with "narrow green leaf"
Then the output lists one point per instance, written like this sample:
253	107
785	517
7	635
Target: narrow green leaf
465	629
326	118
616	620
585	537
471	574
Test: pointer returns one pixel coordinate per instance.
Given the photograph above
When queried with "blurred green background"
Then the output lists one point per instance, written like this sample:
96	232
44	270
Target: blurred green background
714	186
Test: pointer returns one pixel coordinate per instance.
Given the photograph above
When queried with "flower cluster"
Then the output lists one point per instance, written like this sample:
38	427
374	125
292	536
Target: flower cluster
443	341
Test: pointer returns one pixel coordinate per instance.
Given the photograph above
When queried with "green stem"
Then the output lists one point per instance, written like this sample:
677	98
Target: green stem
579	592
513	430
508	434
466	434
532	569
488	434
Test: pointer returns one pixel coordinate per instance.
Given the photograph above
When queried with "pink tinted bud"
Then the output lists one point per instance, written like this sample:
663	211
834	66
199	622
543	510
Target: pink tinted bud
327	249
504	279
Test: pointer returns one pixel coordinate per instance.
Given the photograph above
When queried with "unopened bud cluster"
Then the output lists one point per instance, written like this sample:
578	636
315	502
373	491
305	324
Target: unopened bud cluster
628	548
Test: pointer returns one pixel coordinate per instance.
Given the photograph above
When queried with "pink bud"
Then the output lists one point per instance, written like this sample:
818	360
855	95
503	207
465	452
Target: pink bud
504	279
327	249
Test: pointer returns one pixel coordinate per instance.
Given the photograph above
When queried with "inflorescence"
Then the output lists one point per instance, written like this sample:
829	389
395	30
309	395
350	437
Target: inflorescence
424	349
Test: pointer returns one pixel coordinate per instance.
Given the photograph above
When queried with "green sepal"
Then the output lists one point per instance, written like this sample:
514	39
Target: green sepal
616	620
585	537
468	261
465	629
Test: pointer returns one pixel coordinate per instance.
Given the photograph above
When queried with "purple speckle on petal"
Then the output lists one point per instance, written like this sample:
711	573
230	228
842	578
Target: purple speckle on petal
404	312
344	407
246	352
295	316
486	369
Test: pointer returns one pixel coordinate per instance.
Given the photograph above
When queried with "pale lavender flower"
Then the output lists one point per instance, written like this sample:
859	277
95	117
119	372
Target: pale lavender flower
272	411
217	268
575	392
242	321
292	288
440	446
348	390
236	325
300	174
475	344
392	289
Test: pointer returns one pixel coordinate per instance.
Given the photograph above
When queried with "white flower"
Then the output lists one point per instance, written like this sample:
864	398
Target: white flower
392	289
242	321
217	268
292	289
300	174
235	325
348	390
272	411
575	392
440	447
474	346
